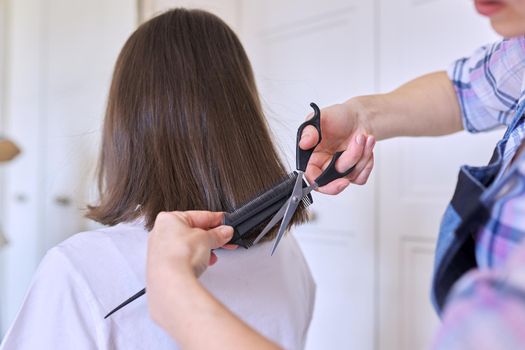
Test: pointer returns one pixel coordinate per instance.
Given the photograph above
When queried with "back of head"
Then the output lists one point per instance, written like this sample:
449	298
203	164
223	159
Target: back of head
184	128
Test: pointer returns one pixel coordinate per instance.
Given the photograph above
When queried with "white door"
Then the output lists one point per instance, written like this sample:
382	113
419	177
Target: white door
416	177
20	257
60	58
308	51
82	41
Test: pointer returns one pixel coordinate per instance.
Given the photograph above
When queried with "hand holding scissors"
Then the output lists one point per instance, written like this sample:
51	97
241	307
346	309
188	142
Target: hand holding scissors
346	126
328	175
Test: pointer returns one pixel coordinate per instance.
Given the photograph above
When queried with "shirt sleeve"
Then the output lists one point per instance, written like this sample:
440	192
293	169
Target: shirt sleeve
56	313
489	83
486	309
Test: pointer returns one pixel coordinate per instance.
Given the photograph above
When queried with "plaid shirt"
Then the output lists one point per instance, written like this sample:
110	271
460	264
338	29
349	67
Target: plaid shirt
486	308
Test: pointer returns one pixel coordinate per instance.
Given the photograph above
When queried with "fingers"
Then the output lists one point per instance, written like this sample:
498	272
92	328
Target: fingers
230	246
363	176
219	236
364	160
339	185
197	221
313	169
309	138
335	187
213	259
361	157
203	219
352	154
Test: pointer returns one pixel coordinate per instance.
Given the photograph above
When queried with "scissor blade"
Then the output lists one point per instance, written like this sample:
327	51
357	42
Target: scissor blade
292	204
290	210
277	240
278	216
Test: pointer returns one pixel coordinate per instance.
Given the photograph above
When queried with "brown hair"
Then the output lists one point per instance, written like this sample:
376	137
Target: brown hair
184	127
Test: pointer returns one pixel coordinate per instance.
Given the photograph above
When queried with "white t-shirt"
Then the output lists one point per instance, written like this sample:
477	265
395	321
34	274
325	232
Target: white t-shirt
83	278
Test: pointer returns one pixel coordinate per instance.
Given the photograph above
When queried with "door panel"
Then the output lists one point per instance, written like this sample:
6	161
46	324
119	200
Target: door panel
78	64
306	52
416	177
21	112
60	58
416	262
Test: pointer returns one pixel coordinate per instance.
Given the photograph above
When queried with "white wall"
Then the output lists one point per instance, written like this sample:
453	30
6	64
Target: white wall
60	57
308	51
23	104
3	63
228	10
3	69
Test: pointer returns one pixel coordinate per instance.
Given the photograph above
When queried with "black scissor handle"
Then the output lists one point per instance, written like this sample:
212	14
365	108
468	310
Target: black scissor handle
303	156
330	173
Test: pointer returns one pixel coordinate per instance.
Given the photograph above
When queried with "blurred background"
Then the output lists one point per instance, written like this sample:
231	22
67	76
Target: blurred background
370	249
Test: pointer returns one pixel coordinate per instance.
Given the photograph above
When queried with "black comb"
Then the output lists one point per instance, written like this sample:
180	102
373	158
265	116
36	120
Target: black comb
252	217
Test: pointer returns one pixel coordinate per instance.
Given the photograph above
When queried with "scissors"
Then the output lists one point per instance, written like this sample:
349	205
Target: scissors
298	193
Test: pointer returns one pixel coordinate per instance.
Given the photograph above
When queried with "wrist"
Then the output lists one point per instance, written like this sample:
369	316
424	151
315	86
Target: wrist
363	110
170	291
178	272
370	114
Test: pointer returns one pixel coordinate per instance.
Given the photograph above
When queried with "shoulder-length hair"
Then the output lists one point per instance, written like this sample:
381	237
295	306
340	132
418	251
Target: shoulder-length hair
184	127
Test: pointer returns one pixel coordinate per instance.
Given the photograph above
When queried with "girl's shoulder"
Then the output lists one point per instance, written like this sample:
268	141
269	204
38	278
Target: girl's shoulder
107	263
123	238
76	284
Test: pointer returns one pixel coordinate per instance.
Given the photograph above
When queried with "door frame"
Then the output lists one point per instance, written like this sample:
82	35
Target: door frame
4	27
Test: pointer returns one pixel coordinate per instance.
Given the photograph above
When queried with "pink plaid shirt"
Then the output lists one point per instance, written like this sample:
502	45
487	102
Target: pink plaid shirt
486	308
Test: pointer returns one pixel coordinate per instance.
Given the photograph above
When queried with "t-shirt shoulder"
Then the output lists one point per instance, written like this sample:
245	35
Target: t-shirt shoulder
59	309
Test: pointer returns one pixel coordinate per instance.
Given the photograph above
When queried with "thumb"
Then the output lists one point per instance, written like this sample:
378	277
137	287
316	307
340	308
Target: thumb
219	236
309	138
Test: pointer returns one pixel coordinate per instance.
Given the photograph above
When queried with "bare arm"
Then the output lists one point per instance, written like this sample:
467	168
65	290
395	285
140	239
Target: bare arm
199	321
426	106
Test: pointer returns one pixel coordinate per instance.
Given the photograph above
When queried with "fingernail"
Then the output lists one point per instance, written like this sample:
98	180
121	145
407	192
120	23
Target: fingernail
359	139
226	230
343	165
304	140
370	141
341	188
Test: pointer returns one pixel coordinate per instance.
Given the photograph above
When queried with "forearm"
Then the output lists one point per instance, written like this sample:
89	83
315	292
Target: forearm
197	320
426	106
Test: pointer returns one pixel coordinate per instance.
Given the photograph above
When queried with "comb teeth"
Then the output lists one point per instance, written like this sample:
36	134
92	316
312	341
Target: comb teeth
305	203
254	215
